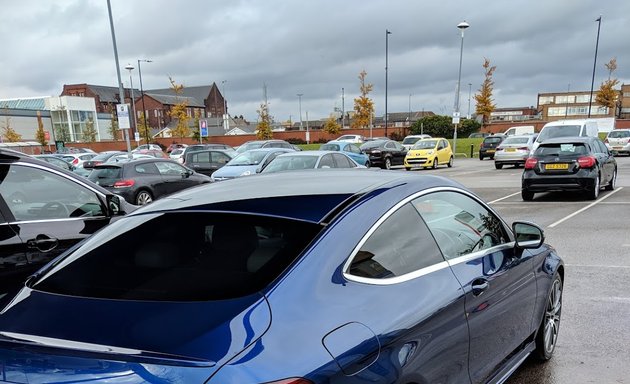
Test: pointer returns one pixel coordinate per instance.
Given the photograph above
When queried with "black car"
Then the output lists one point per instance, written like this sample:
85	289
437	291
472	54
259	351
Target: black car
199	147
384	153
143	180
207	161
569	164
101	158
45	210
489	145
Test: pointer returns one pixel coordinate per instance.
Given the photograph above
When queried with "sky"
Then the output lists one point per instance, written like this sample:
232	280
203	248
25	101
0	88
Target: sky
317	49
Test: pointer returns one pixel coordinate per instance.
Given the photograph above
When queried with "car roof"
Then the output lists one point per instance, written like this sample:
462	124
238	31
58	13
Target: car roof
306	153
300	195
568	139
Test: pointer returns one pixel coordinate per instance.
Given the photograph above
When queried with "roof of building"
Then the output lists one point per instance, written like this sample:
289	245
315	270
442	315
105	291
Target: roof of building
30	103
198	92
105	94
173	99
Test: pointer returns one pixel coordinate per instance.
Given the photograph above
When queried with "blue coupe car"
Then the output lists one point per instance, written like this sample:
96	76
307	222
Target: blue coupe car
338	276
350	149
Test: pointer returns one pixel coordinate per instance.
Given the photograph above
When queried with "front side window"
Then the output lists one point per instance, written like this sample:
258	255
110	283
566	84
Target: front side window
213	257
342	161
36	194
326	162
460	224
400	245
169	168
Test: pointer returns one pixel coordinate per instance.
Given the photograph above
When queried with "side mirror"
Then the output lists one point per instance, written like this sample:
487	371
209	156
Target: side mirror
528	235
114	205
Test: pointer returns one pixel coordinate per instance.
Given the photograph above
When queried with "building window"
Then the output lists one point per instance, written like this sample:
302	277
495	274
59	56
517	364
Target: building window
582	98
542	100
565	99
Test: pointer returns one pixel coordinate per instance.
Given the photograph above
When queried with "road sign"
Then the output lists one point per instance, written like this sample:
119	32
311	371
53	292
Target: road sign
203	128
122	111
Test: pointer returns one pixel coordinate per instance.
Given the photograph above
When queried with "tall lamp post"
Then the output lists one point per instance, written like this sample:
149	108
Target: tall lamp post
468	116
226	123
462	26
144	110
130	68
299	95
590	99
387	33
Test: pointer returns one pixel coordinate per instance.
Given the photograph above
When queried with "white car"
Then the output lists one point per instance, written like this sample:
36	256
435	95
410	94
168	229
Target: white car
177	155
78	159
147	146
618	141
357	139
410	140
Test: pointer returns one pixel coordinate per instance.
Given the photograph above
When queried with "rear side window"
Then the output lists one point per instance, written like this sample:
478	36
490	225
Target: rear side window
400	245
106	173
213	257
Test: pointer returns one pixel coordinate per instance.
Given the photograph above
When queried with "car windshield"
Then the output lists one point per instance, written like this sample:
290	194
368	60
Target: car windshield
248	158
248	146
329	147
619	134
347	137
565	149
213	257
492	140
411	140
287	163
425	144
558	131
515	140
373	144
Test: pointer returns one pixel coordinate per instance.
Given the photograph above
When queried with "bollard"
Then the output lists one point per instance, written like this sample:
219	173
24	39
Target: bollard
472	146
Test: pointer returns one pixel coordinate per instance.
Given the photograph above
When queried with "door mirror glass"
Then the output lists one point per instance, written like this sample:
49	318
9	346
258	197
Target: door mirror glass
528	235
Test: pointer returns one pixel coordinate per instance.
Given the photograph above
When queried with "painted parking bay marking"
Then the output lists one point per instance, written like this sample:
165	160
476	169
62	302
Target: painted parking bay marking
585	208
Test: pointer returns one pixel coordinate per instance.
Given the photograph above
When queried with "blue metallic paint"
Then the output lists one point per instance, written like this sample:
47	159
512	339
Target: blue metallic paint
423	338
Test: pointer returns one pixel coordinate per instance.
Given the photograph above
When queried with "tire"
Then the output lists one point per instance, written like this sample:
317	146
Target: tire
550	325
367	164
491	157
498	165
388	163
527	195
450	162
143	197
611	184
435	163
594	193
408	168
480	156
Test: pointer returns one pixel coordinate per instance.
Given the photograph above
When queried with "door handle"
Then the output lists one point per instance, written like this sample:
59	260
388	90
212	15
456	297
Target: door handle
43	243
479	286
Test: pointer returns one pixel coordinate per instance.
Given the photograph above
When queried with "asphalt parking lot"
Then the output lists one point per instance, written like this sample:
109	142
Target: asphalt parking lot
593	237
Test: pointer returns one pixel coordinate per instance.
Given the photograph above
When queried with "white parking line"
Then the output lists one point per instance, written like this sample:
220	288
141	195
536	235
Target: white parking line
503	198
585	208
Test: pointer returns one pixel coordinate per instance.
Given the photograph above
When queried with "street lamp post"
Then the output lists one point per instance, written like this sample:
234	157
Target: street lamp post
144	110
462	26
409	116
468	116
299	95
590	99
226	123
387	33
130	68
121	90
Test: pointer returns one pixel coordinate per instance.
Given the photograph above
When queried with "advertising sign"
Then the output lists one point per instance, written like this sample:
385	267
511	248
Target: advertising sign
122	111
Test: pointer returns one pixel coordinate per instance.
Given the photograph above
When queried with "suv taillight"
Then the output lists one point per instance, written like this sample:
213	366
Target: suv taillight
531	162
124	183
587	162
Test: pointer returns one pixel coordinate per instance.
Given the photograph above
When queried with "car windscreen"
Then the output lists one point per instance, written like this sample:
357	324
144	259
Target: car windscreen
558	131
373	144
104	172
249	158
558	150
492	140
411	140
215	256
329	147
425	144
618	134
515	140
288	163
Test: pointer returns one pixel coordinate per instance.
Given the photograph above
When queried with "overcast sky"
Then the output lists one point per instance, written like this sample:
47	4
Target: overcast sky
316	48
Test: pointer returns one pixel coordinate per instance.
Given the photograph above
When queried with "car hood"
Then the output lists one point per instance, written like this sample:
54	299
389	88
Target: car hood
176	334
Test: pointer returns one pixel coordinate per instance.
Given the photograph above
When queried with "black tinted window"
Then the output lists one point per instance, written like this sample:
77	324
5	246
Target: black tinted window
212	257
566	149
400	245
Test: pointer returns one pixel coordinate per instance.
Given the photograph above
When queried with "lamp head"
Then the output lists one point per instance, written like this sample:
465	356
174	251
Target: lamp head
129	67
463	25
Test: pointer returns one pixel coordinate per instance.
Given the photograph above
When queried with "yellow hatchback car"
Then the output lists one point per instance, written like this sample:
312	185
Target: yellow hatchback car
429	153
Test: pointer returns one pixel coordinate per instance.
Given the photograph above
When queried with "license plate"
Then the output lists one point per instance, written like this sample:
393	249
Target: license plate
510	149
490	150
619	147
557	166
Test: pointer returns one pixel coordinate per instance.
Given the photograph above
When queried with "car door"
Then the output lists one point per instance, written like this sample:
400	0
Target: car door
443	152
44	213
498	281
174	177
398	152
606	161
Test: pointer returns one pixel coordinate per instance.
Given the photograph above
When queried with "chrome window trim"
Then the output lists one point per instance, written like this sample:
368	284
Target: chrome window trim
18	222
423	271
